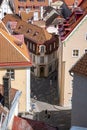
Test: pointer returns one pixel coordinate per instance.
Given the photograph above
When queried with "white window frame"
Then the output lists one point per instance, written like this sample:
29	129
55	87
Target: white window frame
42	49
73	52
11	73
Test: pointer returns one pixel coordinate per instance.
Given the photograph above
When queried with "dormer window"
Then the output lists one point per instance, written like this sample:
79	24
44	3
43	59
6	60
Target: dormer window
42	49
29	31
36	33
20	27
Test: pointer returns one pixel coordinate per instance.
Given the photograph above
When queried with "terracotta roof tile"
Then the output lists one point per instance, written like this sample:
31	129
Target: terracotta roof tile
26	16
73	21
37	34
22	123
81	66
33	32
14	52
71	2
11	17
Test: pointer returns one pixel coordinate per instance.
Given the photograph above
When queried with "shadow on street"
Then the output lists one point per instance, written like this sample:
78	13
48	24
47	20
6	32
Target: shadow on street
45	89
60	119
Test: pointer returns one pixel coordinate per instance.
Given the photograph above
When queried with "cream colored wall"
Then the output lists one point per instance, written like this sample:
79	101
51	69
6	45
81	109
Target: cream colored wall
75	41
20	84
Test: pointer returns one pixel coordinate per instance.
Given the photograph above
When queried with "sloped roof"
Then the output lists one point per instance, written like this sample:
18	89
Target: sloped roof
37	34
26	16
33	32
71	2
73	21
11	52
81	66
11	17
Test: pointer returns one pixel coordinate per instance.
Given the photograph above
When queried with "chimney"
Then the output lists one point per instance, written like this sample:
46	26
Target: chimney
7	85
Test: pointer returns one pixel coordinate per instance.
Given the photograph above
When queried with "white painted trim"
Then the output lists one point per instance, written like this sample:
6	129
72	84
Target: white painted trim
28	90
75	28
16	48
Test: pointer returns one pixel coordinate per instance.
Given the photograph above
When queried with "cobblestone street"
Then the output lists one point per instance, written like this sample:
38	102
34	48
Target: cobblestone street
45	89
44	96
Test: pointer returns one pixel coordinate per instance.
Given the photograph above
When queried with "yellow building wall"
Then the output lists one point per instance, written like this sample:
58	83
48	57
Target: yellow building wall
18	83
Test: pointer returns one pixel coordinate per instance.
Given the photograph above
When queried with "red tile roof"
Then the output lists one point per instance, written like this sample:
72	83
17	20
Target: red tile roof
33	32
69	2
37	34
22	124
12	53
76	17
81	66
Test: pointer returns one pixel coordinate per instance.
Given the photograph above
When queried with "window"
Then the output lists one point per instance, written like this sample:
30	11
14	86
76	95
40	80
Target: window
20	27
75	53
85	50
42	59
33	47
33	58
29	31
30	45
42	49
10	72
